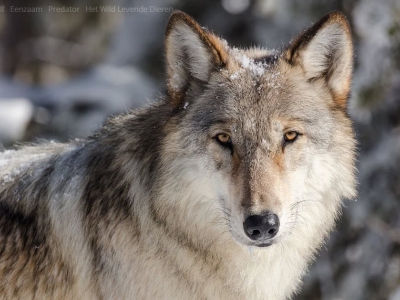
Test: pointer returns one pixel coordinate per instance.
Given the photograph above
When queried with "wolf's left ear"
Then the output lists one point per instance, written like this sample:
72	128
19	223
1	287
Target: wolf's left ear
192	53
325	51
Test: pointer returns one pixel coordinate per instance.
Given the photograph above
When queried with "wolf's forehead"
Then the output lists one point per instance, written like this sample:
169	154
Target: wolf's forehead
255	89
259	121
253	62
258	96
255	75
256	54
264	104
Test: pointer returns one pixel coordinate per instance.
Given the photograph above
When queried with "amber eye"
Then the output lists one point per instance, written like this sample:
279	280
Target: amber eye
224	140
291	136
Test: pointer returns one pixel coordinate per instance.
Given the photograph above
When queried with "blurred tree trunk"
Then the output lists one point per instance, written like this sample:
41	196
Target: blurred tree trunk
18	27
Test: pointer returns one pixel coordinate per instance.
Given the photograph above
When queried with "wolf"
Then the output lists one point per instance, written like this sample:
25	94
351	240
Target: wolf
225	188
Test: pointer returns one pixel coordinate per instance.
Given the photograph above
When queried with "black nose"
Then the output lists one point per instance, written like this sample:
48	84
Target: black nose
261	227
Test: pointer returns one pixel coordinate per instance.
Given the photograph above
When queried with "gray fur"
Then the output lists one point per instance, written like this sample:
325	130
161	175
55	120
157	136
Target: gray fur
152	205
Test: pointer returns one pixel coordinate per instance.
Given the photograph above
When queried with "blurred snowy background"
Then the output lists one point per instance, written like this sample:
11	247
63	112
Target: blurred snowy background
62	73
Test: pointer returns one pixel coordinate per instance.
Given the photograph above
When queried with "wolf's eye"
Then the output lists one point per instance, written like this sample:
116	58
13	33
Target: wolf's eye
224	140
291	136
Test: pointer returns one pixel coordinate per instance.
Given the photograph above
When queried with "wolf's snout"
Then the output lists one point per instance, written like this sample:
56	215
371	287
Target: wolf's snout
261	227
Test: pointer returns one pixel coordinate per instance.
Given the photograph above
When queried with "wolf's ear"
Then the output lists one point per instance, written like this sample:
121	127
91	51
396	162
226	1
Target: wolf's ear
192	53
325	51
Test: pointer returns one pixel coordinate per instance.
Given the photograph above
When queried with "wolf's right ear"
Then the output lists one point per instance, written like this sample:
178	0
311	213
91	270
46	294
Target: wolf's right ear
192	53
325	51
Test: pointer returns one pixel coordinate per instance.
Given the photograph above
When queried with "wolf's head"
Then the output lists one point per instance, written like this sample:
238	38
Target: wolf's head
262	135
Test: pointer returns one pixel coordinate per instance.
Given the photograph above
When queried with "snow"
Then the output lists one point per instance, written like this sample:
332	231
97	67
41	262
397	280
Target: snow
10	170
10	176
234	76
244	60
175	82
256	68
15	114
80	106
15	162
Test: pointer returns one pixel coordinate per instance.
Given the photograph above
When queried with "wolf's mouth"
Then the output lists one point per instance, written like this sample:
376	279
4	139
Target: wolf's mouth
264	245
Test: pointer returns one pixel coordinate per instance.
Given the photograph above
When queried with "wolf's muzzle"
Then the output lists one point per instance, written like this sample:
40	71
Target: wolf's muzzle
261	227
